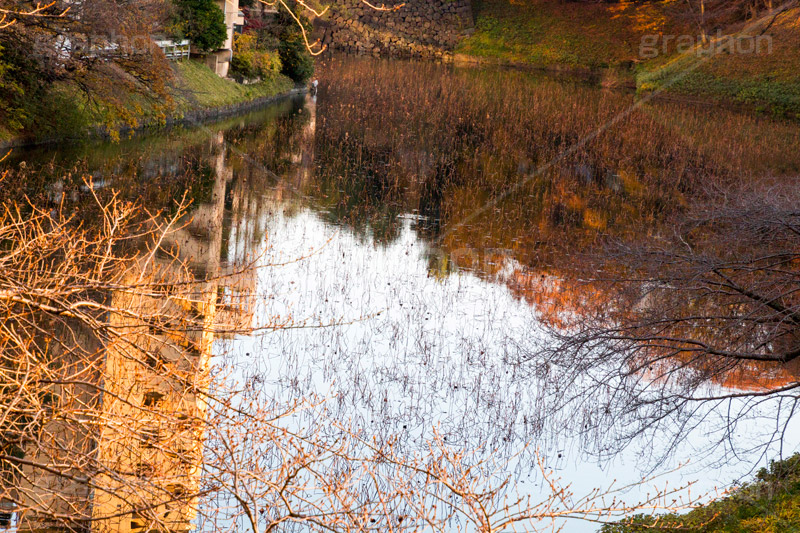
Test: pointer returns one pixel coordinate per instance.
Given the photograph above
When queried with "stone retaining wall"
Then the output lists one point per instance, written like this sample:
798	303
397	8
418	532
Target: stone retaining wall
422	28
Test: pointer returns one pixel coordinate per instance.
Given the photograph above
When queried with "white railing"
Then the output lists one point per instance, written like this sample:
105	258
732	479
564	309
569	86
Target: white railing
174	50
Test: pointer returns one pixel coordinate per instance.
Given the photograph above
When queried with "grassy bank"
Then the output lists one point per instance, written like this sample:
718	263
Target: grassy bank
67	113
196	86
606	40
769	504
726	71
549	33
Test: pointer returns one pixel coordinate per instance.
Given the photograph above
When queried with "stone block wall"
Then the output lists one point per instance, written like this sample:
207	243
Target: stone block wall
420	28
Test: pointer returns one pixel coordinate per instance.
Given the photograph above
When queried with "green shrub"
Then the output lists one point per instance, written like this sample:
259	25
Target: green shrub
770	504
296	61
29	96
253	61
202	22
11	110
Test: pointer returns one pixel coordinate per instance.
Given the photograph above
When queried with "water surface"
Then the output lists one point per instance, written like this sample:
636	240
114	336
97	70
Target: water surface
417	219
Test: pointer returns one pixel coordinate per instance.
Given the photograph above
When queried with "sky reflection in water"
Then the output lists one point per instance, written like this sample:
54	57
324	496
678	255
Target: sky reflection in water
353	202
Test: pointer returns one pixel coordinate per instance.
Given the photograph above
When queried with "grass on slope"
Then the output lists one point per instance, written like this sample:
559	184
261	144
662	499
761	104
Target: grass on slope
547	33
770	504
767	80
198	87
596	36
66	112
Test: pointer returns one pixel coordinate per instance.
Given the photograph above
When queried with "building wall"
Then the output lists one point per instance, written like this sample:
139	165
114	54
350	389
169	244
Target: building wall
219	61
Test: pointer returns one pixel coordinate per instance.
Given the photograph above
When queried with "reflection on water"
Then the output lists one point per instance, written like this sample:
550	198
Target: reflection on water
434	228
119	443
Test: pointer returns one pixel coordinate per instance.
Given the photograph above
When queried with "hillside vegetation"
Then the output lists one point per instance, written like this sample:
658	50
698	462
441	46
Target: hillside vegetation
606	40
768	80
108	77
69	113
770	504
197	86
551	33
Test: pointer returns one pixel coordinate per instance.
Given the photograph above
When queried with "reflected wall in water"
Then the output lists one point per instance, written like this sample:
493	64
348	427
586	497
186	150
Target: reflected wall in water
120	444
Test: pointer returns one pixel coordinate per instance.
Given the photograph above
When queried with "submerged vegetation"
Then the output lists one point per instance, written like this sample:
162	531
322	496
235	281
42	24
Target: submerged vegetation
437	148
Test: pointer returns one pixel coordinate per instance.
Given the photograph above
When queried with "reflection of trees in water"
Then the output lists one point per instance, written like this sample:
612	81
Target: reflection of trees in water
438	161
703	314
447	142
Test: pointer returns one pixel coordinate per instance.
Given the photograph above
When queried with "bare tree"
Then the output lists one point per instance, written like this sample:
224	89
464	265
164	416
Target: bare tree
704	313
101	48
708	16
10	15
115	416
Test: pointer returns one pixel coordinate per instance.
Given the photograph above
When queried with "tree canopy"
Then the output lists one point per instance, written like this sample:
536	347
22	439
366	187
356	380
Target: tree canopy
202	22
